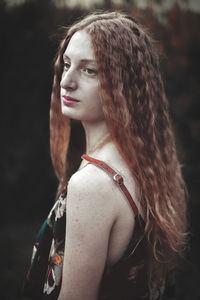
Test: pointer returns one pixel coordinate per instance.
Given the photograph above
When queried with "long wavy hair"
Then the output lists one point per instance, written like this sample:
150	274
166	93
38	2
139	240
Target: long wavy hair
136	113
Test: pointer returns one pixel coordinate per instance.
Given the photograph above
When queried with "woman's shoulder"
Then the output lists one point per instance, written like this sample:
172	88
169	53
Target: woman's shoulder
89	201
90	184
90	177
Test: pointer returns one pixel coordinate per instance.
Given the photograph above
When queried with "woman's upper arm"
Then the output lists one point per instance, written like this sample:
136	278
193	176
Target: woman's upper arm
89	220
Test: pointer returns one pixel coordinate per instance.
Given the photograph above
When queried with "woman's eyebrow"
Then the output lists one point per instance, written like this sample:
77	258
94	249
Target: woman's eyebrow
65	56
83	60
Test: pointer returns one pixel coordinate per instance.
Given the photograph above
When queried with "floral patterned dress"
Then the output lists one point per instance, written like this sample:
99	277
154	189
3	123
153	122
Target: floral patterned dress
44	277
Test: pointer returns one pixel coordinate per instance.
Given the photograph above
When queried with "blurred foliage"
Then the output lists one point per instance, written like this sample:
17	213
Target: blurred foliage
28	35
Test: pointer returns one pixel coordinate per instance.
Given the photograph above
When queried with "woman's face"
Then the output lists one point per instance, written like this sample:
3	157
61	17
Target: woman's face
80	91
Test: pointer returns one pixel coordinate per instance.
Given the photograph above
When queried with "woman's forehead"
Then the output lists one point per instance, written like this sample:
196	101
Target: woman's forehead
80	46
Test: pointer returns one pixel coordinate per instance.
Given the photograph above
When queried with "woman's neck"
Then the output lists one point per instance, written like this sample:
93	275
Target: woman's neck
97	136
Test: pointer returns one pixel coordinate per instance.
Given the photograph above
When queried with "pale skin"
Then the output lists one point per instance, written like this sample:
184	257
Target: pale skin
100	221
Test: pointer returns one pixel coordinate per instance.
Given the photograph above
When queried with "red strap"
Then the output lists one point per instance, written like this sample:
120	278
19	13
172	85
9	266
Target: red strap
116	177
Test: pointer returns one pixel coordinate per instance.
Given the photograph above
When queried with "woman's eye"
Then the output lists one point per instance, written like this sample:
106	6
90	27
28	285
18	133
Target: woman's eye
90	71
66	65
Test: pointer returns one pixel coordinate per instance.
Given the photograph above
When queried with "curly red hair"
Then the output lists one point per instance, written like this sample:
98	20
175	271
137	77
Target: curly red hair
136	113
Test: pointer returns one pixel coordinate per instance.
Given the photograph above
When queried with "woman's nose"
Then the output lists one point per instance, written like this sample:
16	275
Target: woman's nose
69	80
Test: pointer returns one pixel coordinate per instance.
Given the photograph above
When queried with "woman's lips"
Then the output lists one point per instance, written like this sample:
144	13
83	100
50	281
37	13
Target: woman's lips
69	101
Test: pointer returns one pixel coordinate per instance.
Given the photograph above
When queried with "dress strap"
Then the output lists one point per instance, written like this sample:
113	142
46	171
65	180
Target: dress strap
116	177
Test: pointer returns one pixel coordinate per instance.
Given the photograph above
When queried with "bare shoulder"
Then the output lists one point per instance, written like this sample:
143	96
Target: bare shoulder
93	188
91	179
89	174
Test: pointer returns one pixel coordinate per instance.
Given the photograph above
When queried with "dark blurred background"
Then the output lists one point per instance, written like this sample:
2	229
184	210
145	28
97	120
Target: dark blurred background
28	43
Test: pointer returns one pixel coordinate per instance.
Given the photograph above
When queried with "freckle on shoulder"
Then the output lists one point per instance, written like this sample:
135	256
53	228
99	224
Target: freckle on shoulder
89	177
92	188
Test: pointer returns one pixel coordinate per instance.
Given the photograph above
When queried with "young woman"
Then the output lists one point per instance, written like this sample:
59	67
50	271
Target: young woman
119	221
